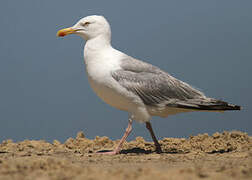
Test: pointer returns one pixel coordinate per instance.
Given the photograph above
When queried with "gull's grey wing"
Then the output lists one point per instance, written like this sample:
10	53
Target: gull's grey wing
157	88
152	85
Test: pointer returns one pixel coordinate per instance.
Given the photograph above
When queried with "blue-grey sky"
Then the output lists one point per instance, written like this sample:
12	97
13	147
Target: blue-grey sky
44	92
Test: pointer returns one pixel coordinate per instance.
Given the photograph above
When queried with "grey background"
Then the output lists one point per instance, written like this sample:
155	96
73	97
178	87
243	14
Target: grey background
44	93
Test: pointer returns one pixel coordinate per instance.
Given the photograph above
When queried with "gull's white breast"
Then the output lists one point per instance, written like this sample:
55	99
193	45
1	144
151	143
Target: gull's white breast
99	66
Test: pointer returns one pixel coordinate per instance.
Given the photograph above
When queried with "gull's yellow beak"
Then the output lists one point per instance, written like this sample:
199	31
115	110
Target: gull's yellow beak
66	31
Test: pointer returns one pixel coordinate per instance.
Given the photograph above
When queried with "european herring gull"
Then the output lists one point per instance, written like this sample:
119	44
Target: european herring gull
128	84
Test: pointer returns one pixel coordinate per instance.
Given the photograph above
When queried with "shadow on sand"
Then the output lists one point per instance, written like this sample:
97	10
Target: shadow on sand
143	151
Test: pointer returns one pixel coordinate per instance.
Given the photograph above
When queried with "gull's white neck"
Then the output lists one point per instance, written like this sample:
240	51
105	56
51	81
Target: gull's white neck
95	46
98	43
97	50
100	59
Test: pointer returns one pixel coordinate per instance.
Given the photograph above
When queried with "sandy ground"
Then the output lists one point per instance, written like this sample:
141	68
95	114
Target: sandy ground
226	155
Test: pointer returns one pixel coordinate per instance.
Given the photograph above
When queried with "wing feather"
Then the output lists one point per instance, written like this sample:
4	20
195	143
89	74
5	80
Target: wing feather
158	88
153	85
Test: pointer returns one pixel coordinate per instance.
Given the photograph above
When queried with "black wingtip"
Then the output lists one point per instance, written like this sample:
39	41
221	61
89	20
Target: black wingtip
222	105
216	105
234	107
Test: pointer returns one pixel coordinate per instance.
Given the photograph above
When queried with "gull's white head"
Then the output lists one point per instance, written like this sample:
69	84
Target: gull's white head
88	28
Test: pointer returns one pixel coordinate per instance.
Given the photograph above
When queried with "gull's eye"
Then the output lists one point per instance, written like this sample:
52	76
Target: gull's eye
86	24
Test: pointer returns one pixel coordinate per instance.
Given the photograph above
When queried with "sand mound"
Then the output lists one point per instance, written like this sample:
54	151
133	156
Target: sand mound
224	155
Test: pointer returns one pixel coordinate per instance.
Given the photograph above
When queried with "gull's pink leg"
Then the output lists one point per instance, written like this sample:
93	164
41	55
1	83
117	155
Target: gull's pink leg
119	146
158	147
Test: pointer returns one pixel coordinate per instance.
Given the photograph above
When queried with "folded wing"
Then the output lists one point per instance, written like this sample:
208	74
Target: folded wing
157	88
